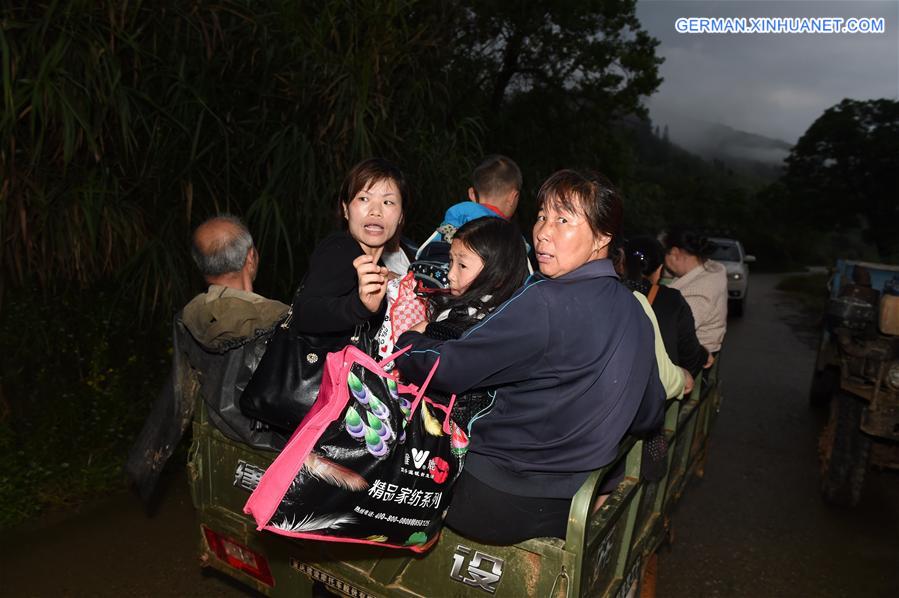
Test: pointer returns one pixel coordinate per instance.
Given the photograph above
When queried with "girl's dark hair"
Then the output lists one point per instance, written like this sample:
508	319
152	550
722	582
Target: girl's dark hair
642	256
594	195
362	176
690	241
500	244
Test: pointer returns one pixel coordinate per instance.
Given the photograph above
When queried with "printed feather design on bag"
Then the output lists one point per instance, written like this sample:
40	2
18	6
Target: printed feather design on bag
368	419
311	523
334	474
432	425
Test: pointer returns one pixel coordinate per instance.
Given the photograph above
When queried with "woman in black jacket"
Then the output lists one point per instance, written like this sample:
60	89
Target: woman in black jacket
347	280
643	260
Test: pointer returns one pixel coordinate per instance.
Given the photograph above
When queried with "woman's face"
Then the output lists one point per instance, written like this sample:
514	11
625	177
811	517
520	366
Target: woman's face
564	241
465	265
674	261
374	213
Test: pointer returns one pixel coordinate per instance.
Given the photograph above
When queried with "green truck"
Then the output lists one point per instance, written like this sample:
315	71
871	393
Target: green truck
608	550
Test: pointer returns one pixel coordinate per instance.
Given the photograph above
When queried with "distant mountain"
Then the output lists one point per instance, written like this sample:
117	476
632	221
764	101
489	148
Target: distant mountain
748	153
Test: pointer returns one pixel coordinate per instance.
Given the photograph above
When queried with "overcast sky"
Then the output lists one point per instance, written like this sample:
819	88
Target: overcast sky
771	84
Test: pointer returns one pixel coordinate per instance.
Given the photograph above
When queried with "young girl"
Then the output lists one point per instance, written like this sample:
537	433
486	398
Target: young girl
488	263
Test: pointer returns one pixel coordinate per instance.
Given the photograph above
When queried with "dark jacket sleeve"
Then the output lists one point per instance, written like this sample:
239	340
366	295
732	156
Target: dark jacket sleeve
499	350
329	300
691	354
651	413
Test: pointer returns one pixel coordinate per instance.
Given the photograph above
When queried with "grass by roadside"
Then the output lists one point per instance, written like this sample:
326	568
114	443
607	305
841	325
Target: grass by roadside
76	379
809	289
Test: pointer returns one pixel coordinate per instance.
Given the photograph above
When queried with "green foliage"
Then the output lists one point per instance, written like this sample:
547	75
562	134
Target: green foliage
551	78
77	379
842	174
126	124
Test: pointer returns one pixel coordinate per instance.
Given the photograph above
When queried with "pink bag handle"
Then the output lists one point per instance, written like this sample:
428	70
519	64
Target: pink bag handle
446	420
421	393
395	354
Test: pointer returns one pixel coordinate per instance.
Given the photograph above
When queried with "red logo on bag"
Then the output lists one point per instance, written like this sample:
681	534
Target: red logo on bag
439	469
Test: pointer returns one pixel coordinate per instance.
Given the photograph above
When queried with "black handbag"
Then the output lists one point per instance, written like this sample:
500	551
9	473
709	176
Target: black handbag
286	380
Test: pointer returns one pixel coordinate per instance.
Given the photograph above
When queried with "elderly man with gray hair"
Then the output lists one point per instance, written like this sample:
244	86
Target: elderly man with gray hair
217	337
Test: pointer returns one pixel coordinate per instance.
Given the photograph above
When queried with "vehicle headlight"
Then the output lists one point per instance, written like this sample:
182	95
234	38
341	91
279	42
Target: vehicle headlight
735	276
893	375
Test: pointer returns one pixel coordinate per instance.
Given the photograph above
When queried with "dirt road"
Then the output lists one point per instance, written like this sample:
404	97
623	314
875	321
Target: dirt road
754	526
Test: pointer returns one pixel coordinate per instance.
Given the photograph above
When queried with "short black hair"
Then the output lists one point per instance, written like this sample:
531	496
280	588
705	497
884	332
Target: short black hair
496	174
642	256
690	241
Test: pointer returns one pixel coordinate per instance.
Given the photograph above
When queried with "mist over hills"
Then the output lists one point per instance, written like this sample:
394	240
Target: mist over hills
748	153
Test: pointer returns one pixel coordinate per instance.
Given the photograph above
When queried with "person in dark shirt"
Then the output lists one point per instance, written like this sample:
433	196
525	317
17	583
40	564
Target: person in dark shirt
571	357
346	282
644	257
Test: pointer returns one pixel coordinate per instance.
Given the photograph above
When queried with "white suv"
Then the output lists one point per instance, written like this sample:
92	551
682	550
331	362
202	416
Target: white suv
730	253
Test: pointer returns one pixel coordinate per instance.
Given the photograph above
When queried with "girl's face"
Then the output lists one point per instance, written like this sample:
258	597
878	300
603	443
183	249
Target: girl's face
374	213
465	265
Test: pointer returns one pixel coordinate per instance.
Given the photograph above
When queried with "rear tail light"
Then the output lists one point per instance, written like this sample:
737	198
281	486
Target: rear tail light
239	556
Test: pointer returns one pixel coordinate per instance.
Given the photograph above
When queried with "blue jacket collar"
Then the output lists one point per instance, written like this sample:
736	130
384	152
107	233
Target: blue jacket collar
594	269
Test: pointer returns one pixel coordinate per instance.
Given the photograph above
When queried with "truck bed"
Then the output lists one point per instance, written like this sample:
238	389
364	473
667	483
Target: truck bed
605	552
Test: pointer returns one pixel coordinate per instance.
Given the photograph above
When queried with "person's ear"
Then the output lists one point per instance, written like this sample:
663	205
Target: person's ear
601	242
346	213
512	200
473	195
251	264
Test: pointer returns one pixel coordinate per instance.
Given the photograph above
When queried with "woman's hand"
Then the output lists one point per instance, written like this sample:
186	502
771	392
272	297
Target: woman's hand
688	382
420	327
372	282
709	362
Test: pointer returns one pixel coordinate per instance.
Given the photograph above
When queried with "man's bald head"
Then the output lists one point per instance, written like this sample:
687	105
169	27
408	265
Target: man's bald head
222	245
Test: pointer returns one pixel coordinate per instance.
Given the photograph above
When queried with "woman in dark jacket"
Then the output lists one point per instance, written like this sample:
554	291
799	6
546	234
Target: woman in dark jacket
571	357
644	257
347	281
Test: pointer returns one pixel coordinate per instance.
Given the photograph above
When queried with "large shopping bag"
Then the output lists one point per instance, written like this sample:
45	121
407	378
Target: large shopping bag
373	462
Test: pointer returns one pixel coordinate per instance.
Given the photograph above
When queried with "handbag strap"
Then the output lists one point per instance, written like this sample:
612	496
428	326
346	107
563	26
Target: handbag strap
653	291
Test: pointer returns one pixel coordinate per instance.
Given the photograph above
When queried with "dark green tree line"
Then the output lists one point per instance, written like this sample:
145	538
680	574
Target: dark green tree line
843	173
124	124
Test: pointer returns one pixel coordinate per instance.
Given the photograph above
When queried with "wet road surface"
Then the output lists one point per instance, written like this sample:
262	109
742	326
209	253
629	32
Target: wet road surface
753	526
